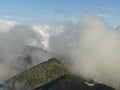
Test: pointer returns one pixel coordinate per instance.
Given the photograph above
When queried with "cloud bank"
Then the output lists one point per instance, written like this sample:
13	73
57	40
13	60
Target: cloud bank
90	46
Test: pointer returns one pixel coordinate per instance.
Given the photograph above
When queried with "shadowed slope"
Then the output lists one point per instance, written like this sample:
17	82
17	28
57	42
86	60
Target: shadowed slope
73	82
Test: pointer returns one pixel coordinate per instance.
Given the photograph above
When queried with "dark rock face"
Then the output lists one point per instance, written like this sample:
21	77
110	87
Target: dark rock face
102	87
2	87
28	59
72	82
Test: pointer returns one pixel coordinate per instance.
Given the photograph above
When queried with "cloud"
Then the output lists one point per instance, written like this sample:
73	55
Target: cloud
5	25
108	9
104	15
14	44
102	8
58	17
90	46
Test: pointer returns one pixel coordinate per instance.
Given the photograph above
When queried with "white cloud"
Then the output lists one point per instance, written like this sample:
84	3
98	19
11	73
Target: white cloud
104	15
108	9
6	25
90	45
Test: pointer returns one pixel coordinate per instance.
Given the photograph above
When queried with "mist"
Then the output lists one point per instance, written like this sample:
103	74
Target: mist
89	45
16	43
92	47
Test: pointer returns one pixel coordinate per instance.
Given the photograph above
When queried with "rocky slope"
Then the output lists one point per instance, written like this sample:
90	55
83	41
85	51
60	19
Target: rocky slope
38	75
73	82
52	75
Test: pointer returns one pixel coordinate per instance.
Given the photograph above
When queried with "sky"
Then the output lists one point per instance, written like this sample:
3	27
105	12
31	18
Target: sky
58	11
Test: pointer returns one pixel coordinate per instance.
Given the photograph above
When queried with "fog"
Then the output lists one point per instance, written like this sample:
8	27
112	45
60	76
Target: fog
89	45
92	47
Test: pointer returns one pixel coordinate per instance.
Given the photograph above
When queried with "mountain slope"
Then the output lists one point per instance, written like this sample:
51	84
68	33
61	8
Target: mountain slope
73	82
52	75
38	75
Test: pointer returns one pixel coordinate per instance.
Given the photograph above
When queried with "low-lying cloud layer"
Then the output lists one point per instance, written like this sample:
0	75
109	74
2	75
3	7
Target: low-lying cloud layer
90	45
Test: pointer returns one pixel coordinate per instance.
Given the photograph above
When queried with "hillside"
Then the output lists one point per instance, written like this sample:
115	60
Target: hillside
38	75
73	82
52	75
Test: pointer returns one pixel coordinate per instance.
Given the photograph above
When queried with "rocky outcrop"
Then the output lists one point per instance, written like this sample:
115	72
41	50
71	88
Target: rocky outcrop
52	75
73	82
37	76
